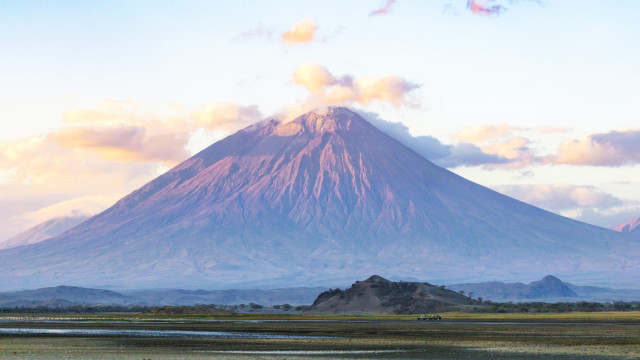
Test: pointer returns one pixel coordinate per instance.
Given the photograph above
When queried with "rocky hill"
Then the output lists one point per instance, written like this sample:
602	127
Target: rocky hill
379	295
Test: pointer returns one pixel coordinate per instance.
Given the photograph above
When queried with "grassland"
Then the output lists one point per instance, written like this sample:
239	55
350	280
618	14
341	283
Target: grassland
608	316
589	336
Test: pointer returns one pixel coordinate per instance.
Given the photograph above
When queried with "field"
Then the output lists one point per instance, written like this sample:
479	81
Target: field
590	336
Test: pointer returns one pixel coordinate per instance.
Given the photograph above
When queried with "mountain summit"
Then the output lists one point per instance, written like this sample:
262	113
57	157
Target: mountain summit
319	200
631	227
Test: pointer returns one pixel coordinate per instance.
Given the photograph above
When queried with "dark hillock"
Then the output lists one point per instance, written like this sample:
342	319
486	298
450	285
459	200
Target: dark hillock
379	295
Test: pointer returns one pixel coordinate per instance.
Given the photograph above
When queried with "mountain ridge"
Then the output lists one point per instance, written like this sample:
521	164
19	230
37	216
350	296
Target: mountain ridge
43	231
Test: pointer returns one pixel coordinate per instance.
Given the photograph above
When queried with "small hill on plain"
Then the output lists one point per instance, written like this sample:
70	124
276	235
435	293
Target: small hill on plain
379	295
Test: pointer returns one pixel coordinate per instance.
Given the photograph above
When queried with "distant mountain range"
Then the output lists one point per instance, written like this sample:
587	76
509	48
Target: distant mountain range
321	200
549	289
43	231
64	296
375	294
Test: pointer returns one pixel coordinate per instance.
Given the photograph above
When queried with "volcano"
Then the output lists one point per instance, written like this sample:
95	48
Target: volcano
321	200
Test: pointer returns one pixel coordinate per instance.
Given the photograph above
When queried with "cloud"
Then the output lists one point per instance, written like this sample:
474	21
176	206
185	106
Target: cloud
302	32
507	141
327	89
462	154
480	133
122	130
547	129
615	148
609	218
559	197
515	149
584	203
259	32
384	9
228	116
483	7
82	206
313	77
388	88
43	173
103	152
125	143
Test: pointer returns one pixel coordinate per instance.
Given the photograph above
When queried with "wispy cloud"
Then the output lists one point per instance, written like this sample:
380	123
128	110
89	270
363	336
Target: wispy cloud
559	197
480	133
260	32
584	203
385	9
302	32
484	7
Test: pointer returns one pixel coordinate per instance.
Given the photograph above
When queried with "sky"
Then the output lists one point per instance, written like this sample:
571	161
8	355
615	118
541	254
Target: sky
535	99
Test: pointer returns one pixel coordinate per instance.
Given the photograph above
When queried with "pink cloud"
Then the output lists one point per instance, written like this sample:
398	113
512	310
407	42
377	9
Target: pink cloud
124	143
302	32
480	133
615	148
483	7
383	10
327	89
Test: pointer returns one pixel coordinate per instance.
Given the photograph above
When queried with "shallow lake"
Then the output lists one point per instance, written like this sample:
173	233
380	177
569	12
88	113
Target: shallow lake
149	333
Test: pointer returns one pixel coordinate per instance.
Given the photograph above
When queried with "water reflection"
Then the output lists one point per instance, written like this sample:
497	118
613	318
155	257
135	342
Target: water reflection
150	333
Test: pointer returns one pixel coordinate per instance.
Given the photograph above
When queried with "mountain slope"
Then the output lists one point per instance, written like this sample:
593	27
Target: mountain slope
320	200
43	231
632	227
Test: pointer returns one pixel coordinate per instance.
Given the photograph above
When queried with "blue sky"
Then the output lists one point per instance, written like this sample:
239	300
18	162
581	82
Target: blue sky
551	88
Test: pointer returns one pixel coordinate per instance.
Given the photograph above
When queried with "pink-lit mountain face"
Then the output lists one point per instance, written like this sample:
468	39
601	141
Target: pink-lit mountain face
631	227
321	200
